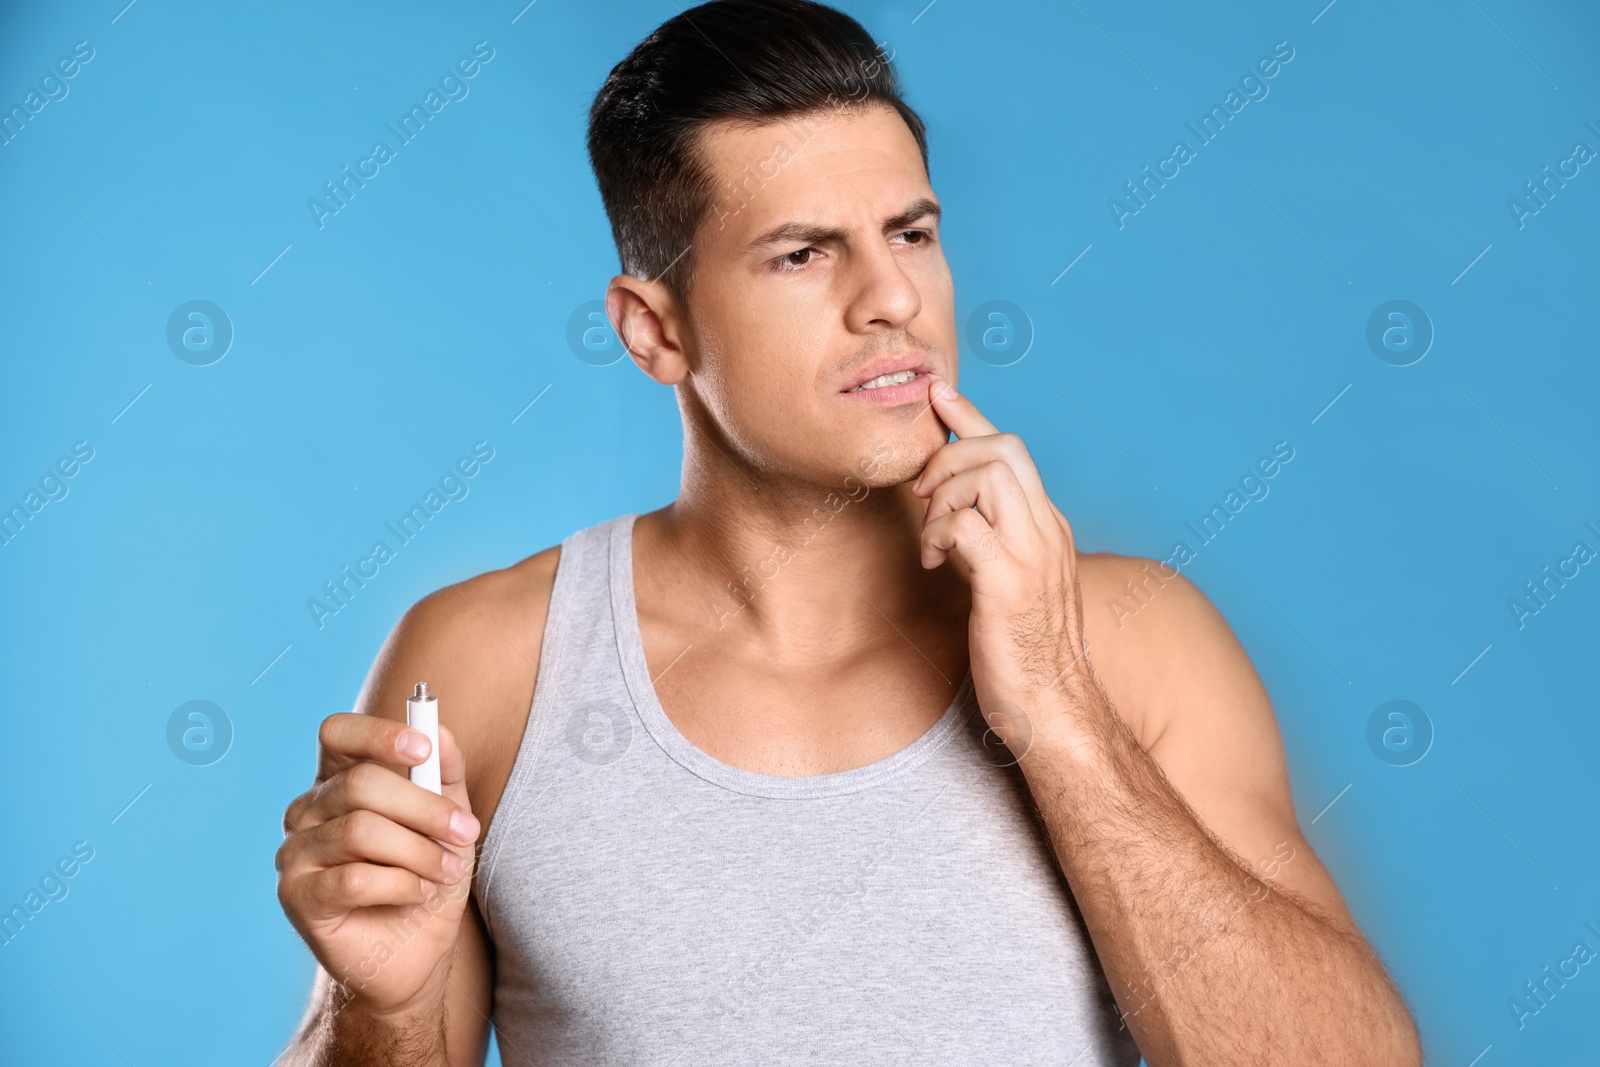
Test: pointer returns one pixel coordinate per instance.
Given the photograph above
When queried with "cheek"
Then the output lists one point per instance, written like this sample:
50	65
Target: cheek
773	362
739	376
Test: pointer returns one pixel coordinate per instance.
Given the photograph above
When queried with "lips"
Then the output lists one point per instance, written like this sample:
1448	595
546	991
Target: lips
888	364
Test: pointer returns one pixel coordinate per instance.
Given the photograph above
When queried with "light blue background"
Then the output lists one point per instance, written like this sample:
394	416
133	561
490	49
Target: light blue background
1227	315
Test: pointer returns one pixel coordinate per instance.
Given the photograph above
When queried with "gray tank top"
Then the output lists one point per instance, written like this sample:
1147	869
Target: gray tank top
649	904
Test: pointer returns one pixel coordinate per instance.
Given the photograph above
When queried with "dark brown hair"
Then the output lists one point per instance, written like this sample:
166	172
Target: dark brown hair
740	61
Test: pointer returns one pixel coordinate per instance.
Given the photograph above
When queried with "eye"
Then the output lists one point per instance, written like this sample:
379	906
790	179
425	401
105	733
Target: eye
793	262
787	263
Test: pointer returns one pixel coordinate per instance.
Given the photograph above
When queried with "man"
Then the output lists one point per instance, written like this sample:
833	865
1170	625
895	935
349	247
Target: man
740	802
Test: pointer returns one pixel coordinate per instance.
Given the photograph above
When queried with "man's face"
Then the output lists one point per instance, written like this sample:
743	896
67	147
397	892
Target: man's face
784	323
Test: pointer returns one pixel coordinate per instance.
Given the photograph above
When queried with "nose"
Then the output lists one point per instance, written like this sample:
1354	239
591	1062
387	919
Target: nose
882	296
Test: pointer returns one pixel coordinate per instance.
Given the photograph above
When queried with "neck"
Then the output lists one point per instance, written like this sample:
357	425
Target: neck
793	571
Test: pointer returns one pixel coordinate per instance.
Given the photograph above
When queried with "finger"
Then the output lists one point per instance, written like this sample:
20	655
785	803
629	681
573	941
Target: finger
348	738
953	458
452	761
965	534
962	415
364	836
958	412
958	456
994	490
330	893
374	788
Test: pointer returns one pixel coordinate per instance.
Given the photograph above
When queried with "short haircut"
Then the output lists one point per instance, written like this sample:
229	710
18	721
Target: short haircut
744	62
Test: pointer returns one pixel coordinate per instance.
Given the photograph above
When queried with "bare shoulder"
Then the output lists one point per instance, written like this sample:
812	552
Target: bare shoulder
1130	635
1181	679
1155	640
476	643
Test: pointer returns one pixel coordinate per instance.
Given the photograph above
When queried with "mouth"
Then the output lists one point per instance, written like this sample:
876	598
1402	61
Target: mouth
901	387
890	380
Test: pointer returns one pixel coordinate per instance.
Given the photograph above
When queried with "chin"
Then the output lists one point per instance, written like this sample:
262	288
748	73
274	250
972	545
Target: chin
895	460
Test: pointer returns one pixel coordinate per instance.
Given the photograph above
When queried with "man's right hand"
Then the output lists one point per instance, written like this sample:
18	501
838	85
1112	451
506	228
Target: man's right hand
374	871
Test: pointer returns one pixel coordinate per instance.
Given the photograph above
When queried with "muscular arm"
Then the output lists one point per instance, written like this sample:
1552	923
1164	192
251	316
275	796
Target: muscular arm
1224	939
1157	845
477	643
331	1032
451	1026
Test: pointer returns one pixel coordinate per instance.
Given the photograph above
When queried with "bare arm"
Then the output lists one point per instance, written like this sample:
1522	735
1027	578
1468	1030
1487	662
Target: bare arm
1210	964
1224	938
404	963
335	1032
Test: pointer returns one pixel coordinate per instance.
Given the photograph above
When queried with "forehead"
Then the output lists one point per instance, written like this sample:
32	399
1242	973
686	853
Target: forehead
825	167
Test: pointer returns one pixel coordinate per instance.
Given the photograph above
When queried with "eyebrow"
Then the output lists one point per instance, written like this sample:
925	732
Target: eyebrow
812	233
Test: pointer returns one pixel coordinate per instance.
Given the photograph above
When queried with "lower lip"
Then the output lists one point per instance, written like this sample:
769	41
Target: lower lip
892	395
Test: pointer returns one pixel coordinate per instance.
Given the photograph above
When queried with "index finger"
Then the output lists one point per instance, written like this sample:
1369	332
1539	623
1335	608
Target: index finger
348	738
452	760
956	411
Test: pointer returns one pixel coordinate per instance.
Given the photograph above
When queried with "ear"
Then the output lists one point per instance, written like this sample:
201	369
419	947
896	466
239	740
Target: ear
649	321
